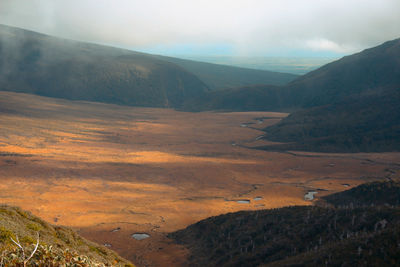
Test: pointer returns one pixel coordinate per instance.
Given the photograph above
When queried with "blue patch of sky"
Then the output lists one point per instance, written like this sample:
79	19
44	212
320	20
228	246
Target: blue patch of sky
285	52
207	50
190	50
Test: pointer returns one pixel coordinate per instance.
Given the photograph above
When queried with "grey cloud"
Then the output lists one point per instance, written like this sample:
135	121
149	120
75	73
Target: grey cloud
251	27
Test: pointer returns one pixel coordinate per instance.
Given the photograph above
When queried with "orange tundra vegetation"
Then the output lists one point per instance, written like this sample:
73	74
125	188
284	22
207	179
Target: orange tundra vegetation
98	167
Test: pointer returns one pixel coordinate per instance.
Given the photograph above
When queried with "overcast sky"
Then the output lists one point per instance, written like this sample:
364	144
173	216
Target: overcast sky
214	27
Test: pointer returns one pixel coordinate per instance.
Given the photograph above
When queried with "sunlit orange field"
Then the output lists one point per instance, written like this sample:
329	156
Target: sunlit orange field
99	168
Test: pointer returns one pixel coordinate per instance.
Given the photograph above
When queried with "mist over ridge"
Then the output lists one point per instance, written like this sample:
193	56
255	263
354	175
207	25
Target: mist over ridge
239	28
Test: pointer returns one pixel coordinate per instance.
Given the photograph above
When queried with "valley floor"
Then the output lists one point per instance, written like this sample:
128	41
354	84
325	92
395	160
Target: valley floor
111	171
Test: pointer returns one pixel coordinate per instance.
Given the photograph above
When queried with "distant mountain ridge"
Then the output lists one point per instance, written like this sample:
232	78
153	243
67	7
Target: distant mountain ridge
35	63
218	76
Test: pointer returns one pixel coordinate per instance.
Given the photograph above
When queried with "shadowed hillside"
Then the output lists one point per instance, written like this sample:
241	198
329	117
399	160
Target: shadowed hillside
39	64
349	105
371	72
349	234
48	66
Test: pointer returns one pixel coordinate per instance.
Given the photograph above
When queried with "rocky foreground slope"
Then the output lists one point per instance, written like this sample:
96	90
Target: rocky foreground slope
57	246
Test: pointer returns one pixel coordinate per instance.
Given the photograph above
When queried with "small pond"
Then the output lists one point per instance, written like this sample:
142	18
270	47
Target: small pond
140	236
310	195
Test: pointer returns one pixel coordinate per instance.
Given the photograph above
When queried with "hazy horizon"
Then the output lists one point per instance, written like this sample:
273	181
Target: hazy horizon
295	65
241	28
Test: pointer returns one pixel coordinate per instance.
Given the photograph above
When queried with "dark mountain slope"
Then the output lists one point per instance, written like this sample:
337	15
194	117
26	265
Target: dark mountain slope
370	72
304	235
221	76
39	64
349	105
49	66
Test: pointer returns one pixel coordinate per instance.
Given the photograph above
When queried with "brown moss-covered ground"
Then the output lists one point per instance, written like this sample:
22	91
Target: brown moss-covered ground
98	167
